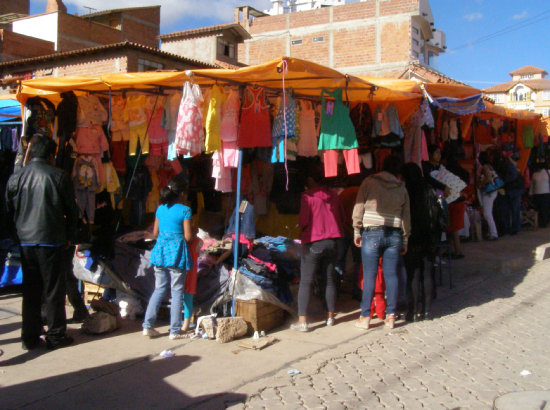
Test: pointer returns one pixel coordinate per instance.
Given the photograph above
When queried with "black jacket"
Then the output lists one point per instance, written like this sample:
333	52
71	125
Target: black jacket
40	201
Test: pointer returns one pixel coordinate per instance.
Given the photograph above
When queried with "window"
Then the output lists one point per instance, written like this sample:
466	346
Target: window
527	76
226	48
546	112
296	42
499	98
520	93
147	65
546	95
318	39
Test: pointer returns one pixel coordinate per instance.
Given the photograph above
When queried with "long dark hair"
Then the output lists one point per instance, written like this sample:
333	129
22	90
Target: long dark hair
172	191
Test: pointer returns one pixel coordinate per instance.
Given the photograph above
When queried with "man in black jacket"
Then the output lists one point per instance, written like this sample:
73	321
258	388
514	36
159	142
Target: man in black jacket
40	203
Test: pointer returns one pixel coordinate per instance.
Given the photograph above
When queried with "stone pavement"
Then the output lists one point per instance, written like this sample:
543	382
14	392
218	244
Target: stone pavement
488	329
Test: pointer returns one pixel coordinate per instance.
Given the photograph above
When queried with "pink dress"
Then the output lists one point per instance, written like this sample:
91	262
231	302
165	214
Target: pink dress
189	130
255	129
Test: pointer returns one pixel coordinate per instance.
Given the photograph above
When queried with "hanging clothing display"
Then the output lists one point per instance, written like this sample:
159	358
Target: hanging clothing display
212	141
158	136
120	131
415	146
135	115
170	122
361	117
337	133
90	111
387	131
284	126
189	131
86	181
307	131
255	126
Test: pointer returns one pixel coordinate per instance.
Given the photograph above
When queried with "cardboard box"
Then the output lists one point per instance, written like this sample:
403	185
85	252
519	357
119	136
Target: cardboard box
259	315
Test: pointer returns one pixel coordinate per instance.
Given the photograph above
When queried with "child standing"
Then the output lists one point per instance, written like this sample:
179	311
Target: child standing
190	284
170	256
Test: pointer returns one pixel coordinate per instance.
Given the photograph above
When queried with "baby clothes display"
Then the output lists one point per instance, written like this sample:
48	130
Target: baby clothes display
255	126
189	131
90	111
307	142
212	140
135	115
158	136
85	182
119	127
337	133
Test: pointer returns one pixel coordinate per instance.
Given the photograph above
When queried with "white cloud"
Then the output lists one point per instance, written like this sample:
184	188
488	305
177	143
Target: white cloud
473	16
176	10
520	16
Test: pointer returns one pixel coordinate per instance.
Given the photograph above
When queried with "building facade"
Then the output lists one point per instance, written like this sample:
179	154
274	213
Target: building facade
214	44
529	90
370	37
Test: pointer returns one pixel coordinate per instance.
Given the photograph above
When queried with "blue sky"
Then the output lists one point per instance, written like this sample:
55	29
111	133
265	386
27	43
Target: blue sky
478	63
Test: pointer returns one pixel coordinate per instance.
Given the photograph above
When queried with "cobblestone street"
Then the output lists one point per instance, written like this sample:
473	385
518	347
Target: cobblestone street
465	358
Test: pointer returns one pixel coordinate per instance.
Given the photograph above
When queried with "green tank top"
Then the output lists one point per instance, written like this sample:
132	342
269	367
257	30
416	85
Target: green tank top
337	131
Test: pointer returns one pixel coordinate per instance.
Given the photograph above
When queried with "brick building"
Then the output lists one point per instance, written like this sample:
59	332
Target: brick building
69	32
370	37
529	90
111	58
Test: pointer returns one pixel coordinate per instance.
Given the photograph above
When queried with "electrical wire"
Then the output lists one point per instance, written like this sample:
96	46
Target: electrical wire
505	30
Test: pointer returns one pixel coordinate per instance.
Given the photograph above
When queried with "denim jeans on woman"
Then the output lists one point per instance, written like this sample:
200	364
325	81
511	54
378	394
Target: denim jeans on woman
385	242
166	278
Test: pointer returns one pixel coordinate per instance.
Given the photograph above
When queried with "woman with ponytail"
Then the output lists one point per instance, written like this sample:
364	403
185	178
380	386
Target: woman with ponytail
170	257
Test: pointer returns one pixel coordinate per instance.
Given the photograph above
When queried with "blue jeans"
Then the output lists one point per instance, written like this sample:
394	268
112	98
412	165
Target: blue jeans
385	242
164	278
513	196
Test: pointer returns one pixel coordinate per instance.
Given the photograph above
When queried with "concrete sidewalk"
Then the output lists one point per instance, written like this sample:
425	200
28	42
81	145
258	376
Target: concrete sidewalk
123	369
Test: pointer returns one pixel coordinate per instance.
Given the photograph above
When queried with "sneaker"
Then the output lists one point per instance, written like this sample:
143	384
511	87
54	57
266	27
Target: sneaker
176	336
300	327
151	332
52	344
330	321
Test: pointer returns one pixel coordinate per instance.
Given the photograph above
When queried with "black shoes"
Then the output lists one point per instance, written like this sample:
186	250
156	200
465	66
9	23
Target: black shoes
52	344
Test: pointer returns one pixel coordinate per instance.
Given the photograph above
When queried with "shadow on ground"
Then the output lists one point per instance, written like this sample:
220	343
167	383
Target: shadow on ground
136	383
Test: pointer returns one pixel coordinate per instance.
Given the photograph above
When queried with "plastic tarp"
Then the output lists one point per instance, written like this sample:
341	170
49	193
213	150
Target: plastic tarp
10	109
305	77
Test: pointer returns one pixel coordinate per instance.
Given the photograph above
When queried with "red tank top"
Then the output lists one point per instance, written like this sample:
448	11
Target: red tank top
255	126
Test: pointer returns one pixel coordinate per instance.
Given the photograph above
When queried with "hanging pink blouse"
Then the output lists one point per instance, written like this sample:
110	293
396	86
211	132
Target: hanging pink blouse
255	127
189	130
230	117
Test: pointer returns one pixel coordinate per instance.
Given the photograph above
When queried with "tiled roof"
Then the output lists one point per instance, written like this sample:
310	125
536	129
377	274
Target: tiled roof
528	69
202	31
535	84
103	48
425	71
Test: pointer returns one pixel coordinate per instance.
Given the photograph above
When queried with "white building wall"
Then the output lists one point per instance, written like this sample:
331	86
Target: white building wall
199	48
42	26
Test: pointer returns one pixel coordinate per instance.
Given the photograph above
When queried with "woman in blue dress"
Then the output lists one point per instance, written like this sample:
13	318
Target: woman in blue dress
170	256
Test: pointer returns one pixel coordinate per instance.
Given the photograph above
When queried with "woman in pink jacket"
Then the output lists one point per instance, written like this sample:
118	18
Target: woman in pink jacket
321	220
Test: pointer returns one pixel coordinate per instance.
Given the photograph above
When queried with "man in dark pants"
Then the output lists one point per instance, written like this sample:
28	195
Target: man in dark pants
40	203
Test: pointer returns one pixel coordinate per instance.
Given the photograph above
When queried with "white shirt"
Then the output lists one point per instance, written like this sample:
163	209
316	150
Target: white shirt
540	183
